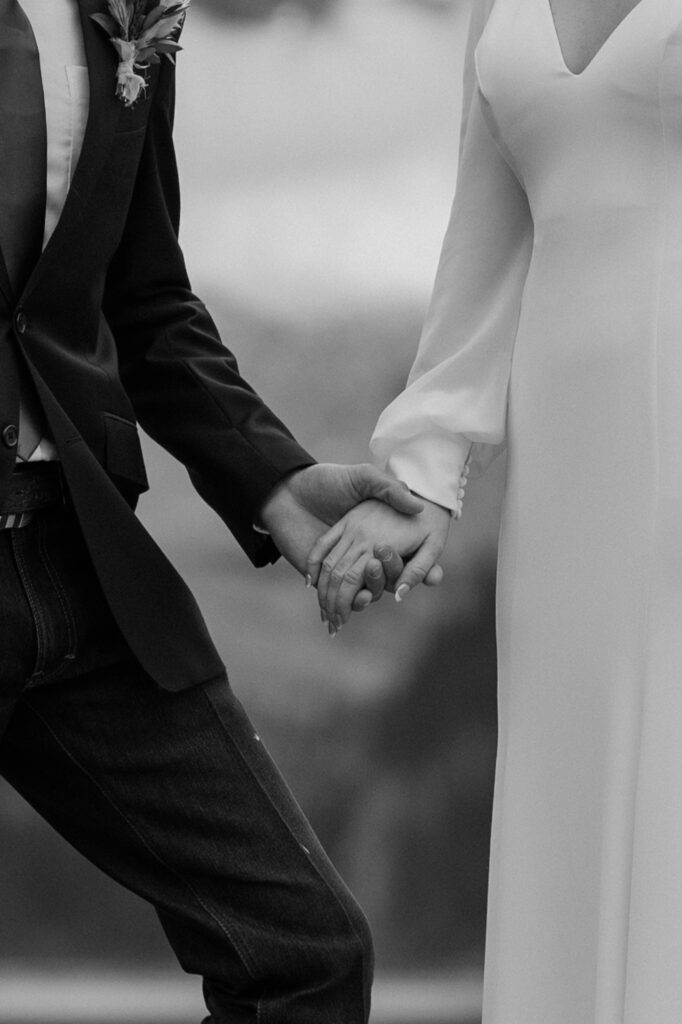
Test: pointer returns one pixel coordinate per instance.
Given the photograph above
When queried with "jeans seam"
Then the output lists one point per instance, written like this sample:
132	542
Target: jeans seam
225	928
296	840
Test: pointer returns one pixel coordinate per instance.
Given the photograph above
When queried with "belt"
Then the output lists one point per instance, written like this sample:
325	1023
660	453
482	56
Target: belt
32	486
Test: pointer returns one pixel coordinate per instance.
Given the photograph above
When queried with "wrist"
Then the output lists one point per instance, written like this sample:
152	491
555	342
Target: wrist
428	503
277	502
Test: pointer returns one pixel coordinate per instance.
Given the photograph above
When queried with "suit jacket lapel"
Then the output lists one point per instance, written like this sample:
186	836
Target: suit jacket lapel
101	124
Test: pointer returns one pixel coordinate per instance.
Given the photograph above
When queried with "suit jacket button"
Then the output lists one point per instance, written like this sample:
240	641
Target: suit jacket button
10	436
21	322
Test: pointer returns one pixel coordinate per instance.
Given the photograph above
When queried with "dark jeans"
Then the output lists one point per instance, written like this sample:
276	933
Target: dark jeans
172	794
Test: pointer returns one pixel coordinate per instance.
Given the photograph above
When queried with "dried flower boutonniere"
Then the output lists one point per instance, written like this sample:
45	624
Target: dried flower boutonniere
141	31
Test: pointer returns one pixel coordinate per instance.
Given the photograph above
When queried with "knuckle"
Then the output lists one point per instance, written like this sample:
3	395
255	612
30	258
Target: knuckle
353	577
328	566
337	576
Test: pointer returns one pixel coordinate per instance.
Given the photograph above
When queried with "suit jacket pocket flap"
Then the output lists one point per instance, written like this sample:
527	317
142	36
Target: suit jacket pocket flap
123	451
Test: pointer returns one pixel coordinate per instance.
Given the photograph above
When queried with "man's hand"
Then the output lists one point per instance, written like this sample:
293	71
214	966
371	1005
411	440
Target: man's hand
328	491
307	502
292	527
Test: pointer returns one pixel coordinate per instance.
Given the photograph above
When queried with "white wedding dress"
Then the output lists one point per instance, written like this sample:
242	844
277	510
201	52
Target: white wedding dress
556	328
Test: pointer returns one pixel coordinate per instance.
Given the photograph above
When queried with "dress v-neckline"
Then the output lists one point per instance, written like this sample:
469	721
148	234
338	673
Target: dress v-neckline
622	24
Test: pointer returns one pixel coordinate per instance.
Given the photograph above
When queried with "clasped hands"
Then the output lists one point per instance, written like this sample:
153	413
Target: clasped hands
354	532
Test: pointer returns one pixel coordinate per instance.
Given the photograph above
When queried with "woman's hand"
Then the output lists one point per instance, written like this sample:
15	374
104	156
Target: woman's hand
339	559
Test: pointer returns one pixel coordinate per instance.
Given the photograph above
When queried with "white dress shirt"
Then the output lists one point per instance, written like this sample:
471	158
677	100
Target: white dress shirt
59	37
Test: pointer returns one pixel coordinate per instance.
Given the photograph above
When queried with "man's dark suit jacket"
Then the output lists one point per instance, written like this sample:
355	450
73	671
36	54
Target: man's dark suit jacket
112	334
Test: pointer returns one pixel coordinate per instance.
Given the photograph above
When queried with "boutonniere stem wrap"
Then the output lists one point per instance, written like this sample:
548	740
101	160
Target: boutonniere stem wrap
141	31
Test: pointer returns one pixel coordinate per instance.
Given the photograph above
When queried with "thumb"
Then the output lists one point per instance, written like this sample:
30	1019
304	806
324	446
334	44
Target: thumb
371	482
391	562
434	576
421	568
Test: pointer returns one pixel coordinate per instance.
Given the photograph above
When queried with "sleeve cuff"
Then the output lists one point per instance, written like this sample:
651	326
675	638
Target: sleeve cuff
436	468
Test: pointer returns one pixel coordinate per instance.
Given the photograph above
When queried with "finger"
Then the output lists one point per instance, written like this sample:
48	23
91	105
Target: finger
375	580
371	482
394	565
362	600
319	552
346	578
391	563
434	576
348	589
375	584
417	569
328	580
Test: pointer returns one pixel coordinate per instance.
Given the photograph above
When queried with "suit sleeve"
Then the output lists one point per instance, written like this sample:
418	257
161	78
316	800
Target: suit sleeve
184	384
453	409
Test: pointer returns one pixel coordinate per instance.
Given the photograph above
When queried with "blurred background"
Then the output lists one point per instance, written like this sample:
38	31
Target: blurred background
317	143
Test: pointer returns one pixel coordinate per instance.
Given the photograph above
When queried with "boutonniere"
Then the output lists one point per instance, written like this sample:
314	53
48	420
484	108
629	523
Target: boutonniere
141	31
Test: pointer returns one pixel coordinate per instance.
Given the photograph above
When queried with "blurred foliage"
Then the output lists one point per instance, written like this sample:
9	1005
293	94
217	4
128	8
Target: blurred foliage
412	835
257	10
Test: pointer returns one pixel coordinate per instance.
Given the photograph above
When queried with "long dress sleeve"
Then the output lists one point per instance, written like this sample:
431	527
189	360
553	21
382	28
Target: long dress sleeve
453	410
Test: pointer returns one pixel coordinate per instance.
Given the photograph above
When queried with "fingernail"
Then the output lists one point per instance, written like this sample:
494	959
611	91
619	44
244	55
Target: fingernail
402	592
332	631
308	580
338	624
384	554
323	616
